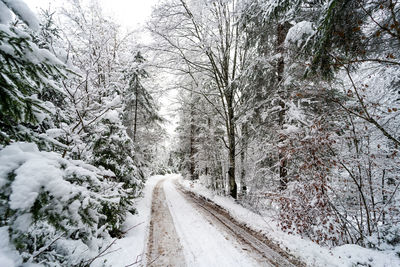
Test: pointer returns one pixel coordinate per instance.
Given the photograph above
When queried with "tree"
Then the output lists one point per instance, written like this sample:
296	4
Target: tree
26	71
62	201
187	135
138	101
331	63
203	37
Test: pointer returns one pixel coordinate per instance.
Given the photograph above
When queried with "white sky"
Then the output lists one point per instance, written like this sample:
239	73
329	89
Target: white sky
128	13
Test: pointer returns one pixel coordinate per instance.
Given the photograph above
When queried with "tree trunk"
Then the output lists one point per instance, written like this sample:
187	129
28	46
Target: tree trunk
383	196
192	167
283	179
282	31
192	163
232	149
242	159
135	118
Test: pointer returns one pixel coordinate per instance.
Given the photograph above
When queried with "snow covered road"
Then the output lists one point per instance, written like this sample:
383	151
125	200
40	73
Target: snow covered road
164	248
183	234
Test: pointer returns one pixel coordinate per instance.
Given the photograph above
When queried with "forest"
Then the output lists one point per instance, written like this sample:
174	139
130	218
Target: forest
292	105
290	108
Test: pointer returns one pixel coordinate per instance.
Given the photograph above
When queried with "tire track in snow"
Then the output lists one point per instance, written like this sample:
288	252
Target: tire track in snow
251	240
164	248
204	244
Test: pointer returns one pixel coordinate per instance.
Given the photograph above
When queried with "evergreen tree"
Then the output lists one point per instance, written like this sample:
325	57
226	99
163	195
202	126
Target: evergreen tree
69	208
26	75
113	149
140	109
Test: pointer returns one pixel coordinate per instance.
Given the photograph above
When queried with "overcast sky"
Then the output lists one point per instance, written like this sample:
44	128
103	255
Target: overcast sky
128	13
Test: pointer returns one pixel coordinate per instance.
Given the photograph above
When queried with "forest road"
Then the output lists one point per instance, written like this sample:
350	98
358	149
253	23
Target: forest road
188	230
164	248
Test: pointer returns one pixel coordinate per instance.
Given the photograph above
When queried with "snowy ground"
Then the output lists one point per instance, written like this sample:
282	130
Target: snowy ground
311	253
203	243
164	246
130	250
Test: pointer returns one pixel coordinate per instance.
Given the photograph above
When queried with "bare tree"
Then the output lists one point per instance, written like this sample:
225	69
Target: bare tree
200	37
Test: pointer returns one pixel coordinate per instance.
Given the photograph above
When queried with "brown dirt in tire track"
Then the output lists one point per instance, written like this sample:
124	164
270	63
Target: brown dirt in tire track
163	248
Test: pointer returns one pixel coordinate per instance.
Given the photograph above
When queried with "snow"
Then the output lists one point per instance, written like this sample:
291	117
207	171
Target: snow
201	241
7	49
132	247
23	222
5	14
48	56
6	29
8	257
299	32
37	55
11	158
112	116
71	190
311	253
114	102
288	129
53	141
203	244
33	174
23	12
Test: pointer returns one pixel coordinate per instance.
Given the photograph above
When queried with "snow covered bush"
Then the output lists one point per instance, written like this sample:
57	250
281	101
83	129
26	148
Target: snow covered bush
56	210
305	206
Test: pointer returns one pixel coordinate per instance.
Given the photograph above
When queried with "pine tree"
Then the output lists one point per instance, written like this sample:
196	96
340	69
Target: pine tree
26	74
140	108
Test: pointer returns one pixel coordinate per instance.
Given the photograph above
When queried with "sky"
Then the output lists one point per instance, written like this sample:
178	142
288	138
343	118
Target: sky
128	13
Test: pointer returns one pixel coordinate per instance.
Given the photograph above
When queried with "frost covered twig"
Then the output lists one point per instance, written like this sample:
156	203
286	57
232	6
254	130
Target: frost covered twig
130	228
43	249
103	252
